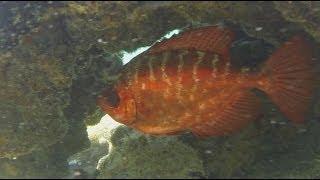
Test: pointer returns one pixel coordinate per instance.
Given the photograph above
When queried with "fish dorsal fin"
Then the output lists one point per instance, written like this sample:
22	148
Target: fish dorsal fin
216	39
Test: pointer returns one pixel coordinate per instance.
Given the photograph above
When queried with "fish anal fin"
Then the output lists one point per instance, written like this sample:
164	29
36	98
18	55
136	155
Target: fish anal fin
240	109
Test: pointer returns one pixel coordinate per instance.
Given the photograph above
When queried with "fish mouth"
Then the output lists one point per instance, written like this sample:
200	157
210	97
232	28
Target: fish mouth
124	121
131	123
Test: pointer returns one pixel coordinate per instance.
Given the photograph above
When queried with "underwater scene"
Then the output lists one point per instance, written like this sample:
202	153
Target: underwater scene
159	89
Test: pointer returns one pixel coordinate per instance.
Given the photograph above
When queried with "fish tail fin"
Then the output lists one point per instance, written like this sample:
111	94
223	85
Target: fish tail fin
290	78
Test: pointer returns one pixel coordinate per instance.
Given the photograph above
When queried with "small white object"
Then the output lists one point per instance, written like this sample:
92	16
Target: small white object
273	122
259	28
303	130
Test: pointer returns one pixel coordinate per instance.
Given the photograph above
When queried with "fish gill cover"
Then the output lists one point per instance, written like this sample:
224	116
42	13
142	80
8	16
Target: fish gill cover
56	57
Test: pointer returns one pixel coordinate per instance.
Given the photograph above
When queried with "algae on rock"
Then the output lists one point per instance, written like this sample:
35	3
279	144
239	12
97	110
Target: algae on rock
304	13
32	103
134	155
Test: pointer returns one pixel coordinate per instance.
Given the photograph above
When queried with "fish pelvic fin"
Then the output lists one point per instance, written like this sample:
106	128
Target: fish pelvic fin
290	78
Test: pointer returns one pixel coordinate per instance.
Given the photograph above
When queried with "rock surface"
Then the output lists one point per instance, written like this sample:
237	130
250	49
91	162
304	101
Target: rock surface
134	155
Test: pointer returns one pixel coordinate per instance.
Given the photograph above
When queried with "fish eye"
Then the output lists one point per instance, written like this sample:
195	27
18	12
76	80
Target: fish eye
111	98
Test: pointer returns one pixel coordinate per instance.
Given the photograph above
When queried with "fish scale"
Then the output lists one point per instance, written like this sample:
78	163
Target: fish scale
187	83
193	82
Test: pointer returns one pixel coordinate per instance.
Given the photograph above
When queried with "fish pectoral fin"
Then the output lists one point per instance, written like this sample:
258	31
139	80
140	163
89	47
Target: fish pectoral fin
240	109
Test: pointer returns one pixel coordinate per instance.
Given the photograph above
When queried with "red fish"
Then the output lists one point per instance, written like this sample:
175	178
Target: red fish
187	83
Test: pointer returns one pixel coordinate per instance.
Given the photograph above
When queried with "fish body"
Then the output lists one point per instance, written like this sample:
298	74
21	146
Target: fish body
187	83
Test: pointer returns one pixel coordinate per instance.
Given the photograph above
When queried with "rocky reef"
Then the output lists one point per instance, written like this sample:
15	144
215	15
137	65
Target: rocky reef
134	155
305	14
56	57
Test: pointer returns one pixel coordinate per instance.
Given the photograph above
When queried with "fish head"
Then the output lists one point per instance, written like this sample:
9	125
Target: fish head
119	104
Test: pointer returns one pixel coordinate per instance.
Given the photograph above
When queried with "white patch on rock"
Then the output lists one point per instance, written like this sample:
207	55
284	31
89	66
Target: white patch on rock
98	131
